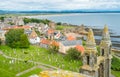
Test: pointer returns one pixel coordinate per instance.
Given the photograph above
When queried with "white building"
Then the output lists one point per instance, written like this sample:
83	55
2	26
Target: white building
33	38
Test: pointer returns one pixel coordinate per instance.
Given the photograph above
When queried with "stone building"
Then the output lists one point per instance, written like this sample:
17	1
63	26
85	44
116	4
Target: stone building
94	65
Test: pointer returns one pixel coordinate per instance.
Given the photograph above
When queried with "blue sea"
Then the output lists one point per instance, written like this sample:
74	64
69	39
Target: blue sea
97	20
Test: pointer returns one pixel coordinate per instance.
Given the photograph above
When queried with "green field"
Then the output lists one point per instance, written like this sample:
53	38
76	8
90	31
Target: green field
35	71
116	73
36	54
42	55
61	27
9	67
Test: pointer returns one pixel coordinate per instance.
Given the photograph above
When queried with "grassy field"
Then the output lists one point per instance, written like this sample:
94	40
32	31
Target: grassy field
35	71
36	54
9	67
42	55
61	27
116	73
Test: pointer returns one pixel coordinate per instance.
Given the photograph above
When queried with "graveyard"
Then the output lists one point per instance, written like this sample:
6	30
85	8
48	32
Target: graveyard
14	61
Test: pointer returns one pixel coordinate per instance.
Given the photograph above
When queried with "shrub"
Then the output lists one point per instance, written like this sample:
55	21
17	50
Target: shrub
73	53
98	49
59	23
11	23
0	41
53	49
83	42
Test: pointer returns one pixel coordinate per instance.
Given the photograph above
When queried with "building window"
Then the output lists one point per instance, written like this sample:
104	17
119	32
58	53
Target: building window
102	52
88	60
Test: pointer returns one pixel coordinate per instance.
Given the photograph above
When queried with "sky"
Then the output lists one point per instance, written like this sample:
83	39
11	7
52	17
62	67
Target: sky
51	5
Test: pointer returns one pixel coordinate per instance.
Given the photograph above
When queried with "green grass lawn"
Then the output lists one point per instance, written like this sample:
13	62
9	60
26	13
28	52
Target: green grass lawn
42	55
116	73
61	27
8	69
36	54
35	71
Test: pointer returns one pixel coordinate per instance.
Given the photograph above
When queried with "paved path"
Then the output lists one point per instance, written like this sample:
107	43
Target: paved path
116	56
26	71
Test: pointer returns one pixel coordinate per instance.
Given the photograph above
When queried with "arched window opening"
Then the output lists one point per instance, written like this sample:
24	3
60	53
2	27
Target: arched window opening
102	52
88	58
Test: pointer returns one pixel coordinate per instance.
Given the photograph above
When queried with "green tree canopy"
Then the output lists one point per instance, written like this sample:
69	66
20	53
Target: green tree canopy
30	20
53	49
0	41
73	53
2	18
14	38
24	42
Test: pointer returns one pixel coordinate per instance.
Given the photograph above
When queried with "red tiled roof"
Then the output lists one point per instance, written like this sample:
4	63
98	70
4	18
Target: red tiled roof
55	43
80	48
21	27
45	41
17	27
50	31
71	38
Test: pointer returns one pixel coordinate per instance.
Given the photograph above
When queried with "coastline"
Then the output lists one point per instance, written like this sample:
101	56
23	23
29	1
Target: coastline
62	14
97	30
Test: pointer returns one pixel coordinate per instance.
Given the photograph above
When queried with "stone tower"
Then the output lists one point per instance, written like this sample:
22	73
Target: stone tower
90	57
105	52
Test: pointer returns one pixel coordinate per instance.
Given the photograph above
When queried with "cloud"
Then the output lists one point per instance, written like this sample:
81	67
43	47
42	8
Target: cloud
58	4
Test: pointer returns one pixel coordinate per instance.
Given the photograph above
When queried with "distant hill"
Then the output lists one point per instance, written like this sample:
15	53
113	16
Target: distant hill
63	11
7	12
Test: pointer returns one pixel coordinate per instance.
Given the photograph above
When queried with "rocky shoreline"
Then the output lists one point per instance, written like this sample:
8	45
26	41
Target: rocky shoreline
97	33
116	44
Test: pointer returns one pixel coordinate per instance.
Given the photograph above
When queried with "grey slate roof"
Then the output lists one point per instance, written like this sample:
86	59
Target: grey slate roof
28	32
71	43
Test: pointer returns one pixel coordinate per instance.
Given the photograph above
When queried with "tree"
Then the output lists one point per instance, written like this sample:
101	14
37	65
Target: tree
33	20
0	41
26	20
13	38
24	42
73	53
11	23
59	23
83	42
2	18
54	47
